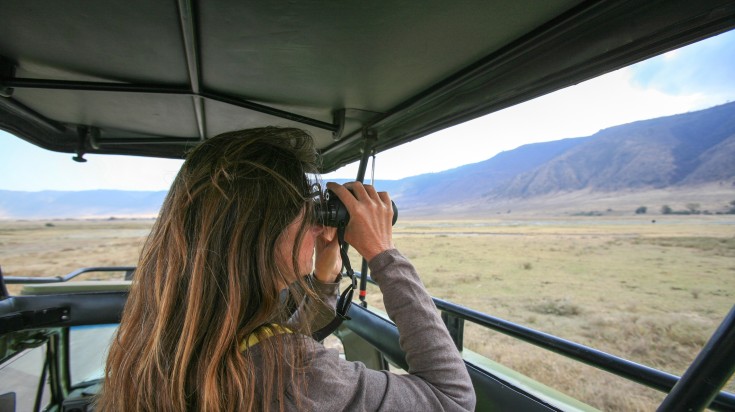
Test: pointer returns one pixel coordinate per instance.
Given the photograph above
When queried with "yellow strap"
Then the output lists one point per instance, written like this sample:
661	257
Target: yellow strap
267	332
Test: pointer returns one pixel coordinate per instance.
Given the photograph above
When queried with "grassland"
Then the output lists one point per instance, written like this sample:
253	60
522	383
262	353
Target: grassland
649	292
55	248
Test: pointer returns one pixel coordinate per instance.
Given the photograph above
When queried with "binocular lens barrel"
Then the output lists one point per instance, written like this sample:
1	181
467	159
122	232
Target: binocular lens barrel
332	212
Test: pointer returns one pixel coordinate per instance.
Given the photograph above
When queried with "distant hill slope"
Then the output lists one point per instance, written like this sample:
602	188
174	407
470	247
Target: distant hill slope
686	149
82	204
691	154
473	180
692	149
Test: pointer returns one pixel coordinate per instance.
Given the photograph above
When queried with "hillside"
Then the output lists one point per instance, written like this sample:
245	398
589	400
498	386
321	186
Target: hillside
687	149
674	160
82	204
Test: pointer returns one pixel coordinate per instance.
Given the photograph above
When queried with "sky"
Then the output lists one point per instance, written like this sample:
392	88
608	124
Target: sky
692	78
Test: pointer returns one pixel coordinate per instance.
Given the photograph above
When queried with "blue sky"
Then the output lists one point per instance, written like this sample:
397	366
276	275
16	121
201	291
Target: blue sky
695	77
673	74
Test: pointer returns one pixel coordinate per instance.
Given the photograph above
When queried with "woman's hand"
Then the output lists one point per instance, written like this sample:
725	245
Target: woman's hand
328	260
370	230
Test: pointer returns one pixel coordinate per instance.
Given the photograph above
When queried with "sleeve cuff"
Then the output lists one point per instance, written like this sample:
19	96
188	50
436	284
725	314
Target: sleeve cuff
325	288
383	259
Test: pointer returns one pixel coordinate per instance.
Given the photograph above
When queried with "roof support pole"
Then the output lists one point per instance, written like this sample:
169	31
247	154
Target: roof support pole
189	34
370	137
709	372
20	83
27	114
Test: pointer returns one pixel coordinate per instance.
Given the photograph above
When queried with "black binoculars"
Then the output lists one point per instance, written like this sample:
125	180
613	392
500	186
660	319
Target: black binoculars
332	212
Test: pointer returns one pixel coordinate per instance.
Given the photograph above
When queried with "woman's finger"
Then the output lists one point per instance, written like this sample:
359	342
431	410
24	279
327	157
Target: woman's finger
357	189
371	192
369	229
385	199
343	194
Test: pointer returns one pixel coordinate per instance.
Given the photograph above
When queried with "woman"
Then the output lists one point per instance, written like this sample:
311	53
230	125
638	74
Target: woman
205	326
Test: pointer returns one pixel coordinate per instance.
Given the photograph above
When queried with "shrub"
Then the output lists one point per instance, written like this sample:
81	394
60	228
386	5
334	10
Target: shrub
592	213
558	307
693	207
641	210
666	210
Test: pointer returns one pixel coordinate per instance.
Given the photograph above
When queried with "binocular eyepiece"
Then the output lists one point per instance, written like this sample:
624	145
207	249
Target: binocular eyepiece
332	212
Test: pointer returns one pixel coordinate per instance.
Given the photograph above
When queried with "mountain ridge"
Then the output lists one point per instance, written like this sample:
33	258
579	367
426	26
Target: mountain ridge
654	153
100	203
692	154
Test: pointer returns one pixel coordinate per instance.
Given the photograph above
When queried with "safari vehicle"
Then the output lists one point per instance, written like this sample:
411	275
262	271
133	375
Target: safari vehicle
144	78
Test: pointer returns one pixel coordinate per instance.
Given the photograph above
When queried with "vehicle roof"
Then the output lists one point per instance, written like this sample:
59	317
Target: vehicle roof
152	78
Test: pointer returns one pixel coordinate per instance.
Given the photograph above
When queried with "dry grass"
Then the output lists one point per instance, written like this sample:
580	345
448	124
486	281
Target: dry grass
651	293
55	248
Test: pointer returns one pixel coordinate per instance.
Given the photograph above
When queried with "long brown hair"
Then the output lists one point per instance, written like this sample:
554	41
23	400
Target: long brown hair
209	276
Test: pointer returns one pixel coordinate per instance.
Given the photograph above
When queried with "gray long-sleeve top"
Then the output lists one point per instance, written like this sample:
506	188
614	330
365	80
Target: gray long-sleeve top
437	378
